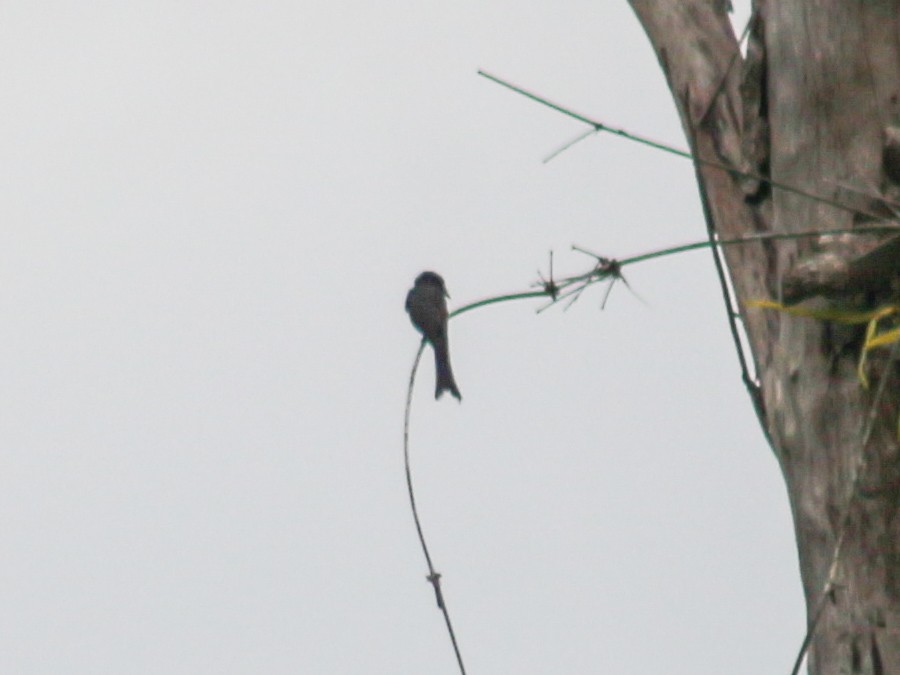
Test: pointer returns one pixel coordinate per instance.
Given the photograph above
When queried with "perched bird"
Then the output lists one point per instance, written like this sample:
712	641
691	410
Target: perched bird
427	306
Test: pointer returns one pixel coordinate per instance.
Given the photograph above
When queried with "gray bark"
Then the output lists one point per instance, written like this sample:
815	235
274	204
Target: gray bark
815	105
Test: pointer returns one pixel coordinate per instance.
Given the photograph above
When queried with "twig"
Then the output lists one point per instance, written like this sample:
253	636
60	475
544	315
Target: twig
872	193
600	126
549	284
608	268
566	146
734	58
762	236
751	382
568	286
433	577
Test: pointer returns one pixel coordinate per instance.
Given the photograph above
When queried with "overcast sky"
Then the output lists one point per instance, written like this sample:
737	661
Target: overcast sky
210	214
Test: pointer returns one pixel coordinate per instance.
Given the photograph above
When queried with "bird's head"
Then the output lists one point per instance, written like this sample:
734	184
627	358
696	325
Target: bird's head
432	280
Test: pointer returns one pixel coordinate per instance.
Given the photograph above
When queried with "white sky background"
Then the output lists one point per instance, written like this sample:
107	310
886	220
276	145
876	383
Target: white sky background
210	214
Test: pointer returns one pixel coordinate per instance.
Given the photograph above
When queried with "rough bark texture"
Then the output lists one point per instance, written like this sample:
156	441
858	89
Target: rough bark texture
815	104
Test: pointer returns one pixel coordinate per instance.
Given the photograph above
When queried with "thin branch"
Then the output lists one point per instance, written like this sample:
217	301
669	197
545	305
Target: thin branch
567	286
566	146
734	58
500	298
872	193
600	126
434	578
762	236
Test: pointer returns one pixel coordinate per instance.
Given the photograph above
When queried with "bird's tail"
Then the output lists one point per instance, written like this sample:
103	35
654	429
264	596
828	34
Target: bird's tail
444	380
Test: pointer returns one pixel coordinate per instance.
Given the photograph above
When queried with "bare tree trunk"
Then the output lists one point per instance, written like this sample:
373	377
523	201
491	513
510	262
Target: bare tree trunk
814	105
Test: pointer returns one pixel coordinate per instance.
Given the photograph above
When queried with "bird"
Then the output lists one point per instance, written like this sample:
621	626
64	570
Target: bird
427	306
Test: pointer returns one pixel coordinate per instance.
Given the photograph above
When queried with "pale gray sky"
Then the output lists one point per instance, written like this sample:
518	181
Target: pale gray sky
210	214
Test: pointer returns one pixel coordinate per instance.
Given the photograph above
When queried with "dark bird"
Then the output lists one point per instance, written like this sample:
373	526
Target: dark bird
427	306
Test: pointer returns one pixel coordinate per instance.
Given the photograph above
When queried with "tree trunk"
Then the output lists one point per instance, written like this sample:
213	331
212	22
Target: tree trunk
814	105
